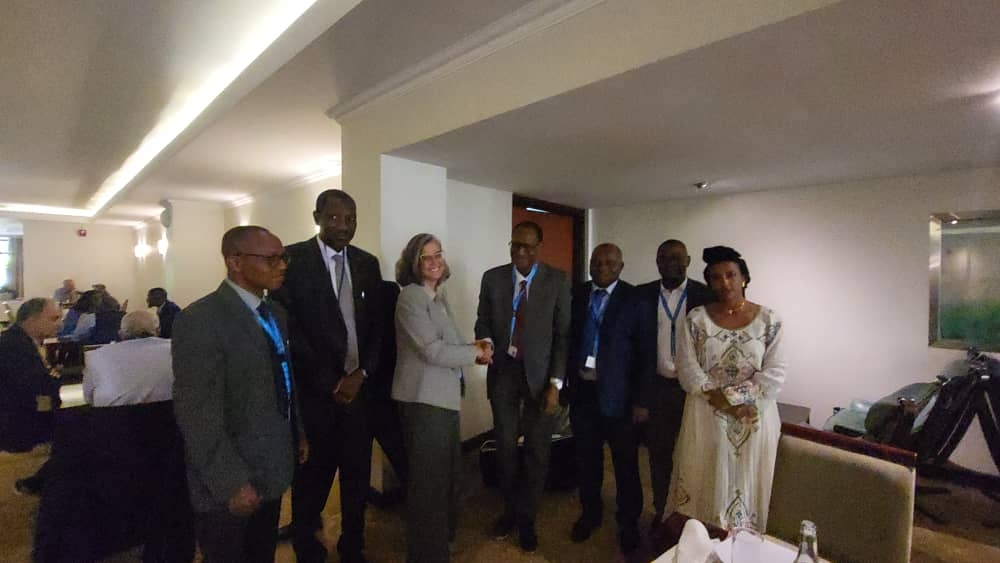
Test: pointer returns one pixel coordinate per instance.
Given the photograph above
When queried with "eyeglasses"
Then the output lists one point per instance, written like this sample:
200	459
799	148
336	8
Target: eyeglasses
271	259
517	246
428	258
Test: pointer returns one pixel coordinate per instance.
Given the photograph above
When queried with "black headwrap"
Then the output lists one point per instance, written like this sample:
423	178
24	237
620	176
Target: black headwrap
716	254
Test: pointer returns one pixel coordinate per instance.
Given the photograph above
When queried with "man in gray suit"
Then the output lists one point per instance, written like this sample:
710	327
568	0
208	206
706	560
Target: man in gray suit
524	310
235	403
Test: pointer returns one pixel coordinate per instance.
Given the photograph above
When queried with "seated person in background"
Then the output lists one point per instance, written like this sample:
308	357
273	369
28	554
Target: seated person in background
29	390
81	318
67	293
165	309
107	322
135	370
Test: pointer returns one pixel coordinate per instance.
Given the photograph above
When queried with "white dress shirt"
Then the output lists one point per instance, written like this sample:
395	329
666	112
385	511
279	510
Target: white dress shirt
664	361
128	373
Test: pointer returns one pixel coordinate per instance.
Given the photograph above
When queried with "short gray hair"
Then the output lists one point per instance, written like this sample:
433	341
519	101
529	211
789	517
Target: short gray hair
139	324
31	309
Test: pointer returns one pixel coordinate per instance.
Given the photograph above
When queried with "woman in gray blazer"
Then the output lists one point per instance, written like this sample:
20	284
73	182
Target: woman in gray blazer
428	385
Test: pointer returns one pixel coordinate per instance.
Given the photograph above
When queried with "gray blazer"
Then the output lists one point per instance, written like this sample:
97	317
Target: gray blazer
225	402
430	351
547	331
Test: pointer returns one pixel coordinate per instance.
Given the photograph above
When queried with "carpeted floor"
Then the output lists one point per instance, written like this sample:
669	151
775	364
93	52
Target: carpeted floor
964	538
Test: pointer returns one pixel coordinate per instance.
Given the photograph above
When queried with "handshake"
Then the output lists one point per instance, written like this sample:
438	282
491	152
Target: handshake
484	350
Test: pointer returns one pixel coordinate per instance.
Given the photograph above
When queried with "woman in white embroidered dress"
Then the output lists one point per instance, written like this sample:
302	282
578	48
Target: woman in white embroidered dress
730	362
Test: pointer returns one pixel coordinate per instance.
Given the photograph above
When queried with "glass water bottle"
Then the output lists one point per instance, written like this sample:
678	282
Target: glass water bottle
807	543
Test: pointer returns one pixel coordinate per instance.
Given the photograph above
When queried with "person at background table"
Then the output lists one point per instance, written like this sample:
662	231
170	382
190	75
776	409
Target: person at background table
166	310
81	318
731	362
524	310
107	302
665	305
29	388
602	386
236	402
133	371
66	293
428	384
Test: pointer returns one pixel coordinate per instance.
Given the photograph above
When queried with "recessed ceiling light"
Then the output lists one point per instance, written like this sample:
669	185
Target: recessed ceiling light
954	221
701	185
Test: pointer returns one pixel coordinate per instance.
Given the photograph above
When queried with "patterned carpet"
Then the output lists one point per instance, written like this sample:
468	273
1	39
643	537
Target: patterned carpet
964	538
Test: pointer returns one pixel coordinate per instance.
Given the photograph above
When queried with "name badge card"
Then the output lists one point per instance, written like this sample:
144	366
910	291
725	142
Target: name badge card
590	363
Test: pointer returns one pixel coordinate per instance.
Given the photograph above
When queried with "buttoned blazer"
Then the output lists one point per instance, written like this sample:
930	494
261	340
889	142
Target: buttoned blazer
226	403
648	295
621	351
316	325
547	331
430	351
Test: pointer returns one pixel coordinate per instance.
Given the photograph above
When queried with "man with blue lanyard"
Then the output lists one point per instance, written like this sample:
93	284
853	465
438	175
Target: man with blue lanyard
602	385
664	307
524	310
235	402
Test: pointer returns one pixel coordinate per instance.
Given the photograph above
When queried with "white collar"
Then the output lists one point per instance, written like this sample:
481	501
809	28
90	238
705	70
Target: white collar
668	292
608	289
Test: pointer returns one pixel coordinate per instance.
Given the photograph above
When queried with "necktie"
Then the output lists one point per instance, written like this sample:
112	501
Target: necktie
282	370
592	327
345	297
519	319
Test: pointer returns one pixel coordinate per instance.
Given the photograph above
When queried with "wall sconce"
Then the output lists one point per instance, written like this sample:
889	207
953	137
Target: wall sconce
141	250
162	245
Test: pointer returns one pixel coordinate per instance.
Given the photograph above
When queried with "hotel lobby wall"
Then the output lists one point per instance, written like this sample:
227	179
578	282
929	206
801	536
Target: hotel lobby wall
54	251
845	265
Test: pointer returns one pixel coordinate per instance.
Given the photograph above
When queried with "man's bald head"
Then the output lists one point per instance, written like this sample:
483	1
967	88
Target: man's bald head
606	264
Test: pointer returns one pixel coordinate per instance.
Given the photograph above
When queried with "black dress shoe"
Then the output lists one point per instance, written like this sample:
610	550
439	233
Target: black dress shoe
584	528
528	538
285	533
503	526
628	538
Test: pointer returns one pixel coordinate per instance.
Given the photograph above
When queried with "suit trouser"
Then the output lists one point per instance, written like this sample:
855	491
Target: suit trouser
590	430
384	420
434	446
665	414
343	443
516	412
224	538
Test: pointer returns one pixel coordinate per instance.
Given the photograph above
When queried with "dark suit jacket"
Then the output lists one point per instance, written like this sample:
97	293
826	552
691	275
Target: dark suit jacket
548	320
622	351
648	295
23	376
226	402
316	325
166	314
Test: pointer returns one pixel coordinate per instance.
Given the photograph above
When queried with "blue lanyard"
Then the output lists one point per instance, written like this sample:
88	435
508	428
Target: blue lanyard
517	296
673	318
597	316
271	328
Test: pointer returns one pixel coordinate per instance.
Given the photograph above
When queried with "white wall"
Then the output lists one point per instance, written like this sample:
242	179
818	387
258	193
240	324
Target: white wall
54	252
479	221
286	213
845	265
413	201
150	270
193	267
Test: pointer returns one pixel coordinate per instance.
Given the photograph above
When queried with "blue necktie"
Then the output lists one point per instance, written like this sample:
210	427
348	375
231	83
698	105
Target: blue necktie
592	326
282	370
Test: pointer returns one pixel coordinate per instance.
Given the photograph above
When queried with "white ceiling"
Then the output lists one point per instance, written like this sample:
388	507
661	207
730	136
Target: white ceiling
858	90
84	82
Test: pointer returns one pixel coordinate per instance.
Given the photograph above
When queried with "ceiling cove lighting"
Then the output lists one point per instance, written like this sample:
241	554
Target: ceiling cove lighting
44	209
259	38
